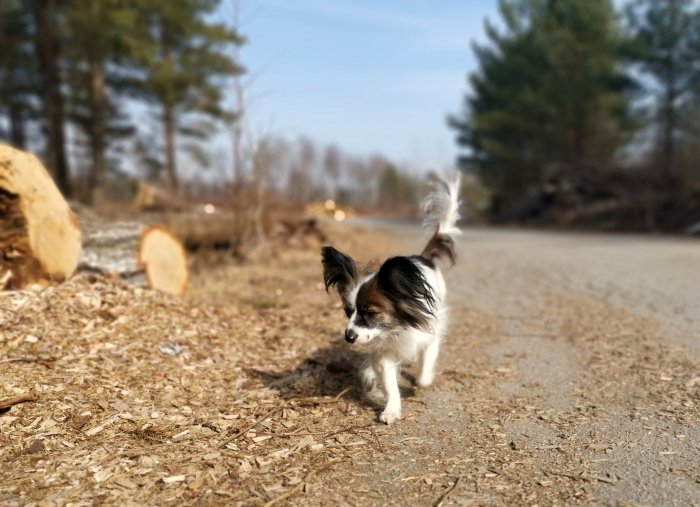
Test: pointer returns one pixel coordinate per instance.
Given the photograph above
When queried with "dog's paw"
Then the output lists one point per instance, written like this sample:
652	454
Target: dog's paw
390	416
425	380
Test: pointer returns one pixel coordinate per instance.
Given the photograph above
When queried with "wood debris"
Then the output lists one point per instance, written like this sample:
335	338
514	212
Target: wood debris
238	394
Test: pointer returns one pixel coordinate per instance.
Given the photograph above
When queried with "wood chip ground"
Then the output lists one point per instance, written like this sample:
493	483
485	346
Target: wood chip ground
242	394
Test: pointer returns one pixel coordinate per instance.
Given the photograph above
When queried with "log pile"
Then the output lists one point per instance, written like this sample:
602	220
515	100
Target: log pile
40	237
613	200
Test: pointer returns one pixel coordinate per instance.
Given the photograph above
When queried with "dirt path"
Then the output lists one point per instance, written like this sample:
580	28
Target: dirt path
583	385
571	375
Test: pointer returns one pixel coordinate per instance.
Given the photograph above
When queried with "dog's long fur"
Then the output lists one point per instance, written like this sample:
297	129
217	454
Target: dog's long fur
399	312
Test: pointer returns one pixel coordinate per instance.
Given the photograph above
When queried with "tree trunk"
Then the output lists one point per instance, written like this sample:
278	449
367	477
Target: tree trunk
97	128
15	112
238	123
168	114
46	47
17	135
134	252
169	139
669	129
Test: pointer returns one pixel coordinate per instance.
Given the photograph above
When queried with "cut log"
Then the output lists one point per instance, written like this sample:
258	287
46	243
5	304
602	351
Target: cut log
199	230
152	198
118	249
111	248
163	258
39	235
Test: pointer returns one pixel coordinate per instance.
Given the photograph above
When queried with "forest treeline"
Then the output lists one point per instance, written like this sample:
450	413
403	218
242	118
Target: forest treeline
96	85
84	63
572	102
579	94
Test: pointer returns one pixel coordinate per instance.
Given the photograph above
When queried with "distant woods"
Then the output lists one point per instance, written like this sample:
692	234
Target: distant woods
573	106
303	171
103	89
575	87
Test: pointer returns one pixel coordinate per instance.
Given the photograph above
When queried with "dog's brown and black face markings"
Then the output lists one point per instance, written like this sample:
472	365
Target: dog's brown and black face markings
374	310
439	246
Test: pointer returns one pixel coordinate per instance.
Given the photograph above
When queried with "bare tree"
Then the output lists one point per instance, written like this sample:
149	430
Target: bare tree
332	164
300	177
240	109
267	154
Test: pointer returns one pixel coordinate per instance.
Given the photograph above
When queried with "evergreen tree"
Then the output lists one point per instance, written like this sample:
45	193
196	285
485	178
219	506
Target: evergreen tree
99	35
47	17
666	49
18	79
547	91
182	67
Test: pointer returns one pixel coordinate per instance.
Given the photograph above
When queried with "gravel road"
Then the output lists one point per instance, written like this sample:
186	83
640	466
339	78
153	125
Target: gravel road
571	374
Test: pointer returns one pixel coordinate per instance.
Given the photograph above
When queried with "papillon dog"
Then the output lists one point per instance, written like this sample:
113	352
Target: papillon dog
399	311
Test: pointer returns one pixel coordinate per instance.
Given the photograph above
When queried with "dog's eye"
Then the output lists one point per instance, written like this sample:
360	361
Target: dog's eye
348	310
369	313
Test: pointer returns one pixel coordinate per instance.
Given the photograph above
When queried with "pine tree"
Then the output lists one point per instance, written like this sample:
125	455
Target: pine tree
18	79
666	49
183	66
547	91
47	16
99	36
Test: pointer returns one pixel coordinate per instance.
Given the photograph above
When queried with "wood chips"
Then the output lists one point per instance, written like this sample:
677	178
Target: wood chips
240	394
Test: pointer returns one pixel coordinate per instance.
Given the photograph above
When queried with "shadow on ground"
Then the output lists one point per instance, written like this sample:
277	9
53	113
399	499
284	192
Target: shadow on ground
327	372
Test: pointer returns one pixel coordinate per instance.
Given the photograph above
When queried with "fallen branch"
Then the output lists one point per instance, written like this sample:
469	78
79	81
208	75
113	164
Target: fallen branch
43	362
446	494
10	402
250	427
326	434
320	401
343	392
349	429
305	481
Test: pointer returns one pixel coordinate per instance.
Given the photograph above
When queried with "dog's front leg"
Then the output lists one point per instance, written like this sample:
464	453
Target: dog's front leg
429	356
368	375
389	371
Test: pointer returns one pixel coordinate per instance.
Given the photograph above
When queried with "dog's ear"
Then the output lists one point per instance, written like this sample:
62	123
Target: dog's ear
404	285
339	270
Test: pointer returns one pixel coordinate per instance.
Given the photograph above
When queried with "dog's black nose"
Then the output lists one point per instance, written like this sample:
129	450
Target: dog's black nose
350	336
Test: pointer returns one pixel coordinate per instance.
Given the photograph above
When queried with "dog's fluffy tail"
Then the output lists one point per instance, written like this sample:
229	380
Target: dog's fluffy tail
442	212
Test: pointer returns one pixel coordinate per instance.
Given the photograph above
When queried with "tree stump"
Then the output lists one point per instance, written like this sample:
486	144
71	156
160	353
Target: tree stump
39	234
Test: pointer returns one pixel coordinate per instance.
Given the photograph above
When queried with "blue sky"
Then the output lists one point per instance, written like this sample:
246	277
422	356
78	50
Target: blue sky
371	76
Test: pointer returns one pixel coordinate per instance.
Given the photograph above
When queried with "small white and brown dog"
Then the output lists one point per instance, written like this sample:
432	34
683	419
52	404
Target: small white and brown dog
400	311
